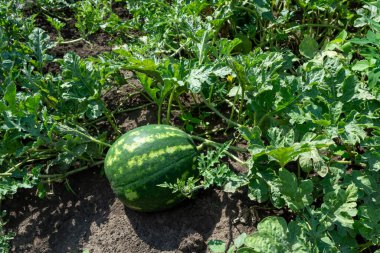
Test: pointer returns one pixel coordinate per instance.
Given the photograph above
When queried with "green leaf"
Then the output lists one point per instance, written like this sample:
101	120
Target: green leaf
10	96
278	138
197	77
258	190
339	206
56	23
361	65
354	133
365	183
297	237
308	47
240	72
216	246
311	160
373	160
296	195
203	75
94	109
216	173
32	103
253	136
368	224
226	46
235	91
239	241
39	42
284	155
273	226
41	190
146	66
246	250
349	87
271	236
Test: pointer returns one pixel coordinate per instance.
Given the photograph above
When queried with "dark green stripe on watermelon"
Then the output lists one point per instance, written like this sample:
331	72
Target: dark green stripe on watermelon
145	157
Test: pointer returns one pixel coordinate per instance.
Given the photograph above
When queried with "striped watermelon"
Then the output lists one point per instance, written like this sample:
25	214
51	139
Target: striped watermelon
145	157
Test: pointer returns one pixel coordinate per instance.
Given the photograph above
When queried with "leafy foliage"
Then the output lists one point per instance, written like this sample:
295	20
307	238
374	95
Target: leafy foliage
295	82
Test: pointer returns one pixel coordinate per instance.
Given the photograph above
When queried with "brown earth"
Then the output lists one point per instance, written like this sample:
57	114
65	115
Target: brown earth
91	218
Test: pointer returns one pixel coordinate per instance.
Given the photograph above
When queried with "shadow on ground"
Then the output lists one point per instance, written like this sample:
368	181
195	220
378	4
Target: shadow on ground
184	228
93	219
59	223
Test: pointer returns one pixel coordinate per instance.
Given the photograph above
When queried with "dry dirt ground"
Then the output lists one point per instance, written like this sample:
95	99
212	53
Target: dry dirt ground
91	218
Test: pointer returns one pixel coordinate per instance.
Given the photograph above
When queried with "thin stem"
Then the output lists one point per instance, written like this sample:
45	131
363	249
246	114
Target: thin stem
72	41
216	144
349	163
118	112
210	93
233	123
263	118
343	162
111	120
180	105
134	108
298	171
9	172
308	25
170	105
214	130
235	158
71	172
201	146
178	51
194	98
159	114
366	245
233	109
50	13
241	102
87	136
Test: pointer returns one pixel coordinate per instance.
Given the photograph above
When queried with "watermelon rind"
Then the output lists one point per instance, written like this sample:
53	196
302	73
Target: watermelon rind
145	157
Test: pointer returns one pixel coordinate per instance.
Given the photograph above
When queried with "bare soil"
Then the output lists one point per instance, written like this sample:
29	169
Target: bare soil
91	218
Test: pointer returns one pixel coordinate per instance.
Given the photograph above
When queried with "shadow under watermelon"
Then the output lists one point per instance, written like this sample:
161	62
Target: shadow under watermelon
185	227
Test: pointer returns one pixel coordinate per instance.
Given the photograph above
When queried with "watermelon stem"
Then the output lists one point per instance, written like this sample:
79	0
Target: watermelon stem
118	111
218	145
111	120
201	147
170	105
24	162
58	177
85	135
159	114
230	122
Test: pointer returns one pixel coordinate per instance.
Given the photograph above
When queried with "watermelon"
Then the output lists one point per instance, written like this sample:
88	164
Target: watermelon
147	156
